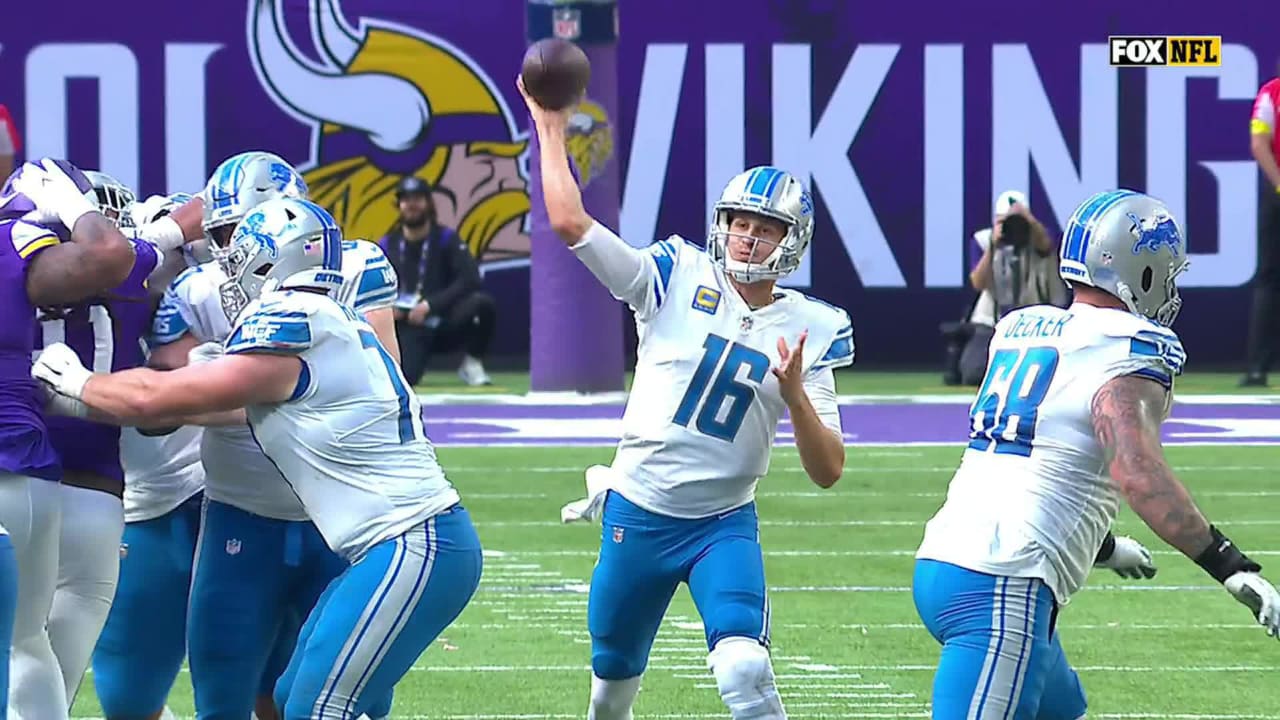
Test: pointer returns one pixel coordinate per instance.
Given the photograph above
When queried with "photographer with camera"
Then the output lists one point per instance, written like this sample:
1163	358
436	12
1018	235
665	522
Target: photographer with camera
1018	267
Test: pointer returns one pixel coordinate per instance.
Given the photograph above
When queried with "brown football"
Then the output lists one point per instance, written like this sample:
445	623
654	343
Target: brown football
555	73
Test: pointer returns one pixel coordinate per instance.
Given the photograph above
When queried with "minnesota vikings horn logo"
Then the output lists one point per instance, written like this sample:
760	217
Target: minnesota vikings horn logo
590	140
391	101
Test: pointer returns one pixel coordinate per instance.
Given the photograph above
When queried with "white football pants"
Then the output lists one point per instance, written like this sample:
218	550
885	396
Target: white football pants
30	509
88	568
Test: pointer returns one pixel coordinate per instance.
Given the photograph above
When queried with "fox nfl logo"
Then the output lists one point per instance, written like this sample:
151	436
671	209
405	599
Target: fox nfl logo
1166	50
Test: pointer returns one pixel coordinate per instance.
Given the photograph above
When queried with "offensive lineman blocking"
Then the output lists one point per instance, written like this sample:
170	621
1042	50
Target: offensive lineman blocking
333	412
1066	421
678	501
260	564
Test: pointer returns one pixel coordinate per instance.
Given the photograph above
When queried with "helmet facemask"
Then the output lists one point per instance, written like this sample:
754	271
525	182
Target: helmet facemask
246	269
747	265
112	199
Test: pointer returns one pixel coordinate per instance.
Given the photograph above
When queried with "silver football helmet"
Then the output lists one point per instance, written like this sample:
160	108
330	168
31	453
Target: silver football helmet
1127	244
772	193
282	243
240	184
113	198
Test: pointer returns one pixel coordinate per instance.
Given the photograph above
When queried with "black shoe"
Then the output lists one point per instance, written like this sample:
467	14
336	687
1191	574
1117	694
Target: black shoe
1253	379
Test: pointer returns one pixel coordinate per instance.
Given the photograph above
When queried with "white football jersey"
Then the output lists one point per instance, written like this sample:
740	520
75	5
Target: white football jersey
237	472
160	472
1032	496
704	405
349	441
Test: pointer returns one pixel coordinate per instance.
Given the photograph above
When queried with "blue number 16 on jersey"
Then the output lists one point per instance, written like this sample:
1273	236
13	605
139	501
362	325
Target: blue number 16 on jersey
1011	393
726	386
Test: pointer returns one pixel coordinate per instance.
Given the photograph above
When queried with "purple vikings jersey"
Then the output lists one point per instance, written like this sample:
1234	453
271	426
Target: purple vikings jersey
24	439
106	334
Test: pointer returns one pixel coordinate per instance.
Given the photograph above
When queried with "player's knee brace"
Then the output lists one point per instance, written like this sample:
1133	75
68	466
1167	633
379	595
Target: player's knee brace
745	678
612	699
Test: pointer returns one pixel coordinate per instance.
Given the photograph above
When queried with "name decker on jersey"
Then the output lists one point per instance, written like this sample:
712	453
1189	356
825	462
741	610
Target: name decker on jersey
1032	497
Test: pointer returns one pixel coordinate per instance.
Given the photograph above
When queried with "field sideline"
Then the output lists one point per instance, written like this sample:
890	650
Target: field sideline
847	642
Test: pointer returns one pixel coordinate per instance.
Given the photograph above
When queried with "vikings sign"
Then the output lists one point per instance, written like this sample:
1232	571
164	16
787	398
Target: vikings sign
437	116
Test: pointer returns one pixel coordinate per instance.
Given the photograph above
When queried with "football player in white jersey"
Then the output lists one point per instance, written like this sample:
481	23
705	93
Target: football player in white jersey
723	352
143	643
1065	425
260	565
332	410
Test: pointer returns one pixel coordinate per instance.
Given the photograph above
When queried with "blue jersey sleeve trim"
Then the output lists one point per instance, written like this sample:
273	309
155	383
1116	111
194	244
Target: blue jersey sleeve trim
664	254
1153	374
1165	347
304	382
376	284
270	332
838	354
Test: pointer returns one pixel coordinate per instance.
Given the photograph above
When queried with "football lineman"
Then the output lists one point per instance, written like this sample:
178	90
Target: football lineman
56	249
723	352
1065	425
261	564
333	412
106	332
143	642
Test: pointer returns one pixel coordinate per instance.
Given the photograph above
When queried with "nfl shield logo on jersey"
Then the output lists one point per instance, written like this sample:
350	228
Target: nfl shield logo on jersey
747	322
233	547
617	534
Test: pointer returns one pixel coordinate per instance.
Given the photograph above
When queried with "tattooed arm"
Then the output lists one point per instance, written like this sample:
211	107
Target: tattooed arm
1127	412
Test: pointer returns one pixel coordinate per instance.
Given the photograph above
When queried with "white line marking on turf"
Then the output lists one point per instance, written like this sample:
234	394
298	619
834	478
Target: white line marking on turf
819	523
680	649
795	469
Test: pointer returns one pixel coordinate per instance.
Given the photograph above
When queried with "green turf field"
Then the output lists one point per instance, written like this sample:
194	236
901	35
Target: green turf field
848	382
846	639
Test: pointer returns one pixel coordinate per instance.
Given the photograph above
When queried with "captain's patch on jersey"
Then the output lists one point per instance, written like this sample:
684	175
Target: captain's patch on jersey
706	300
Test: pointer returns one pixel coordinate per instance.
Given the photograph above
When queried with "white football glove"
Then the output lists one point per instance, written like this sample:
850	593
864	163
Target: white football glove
52	190
55	404
1260	596
1130	560
205	352
60	369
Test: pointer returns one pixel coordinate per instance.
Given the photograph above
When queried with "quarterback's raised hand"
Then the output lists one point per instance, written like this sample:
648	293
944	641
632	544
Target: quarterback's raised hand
60	370
790	370
1260	596
542	117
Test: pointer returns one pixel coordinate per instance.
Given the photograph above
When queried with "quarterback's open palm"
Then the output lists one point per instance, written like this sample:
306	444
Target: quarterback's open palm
790	368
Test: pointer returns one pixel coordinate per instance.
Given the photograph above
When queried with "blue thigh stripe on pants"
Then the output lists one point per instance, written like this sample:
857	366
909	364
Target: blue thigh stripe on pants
419	567
1002	658
377	618
1015	599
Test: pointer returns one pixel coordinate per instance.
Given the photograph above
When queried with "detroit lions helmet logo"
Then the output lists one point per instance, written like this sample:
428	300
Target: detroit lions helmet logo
1154	233
253	227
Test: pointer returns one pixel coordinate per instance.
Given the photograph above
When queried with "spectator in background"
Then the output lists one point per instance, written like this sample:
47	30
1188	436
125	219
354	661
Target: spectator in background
1018	267
1264	141
9	144
441	304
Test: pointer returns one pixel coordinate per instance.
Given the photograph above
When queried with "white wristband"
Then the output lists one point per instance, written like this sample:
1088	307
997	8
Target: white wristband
165	233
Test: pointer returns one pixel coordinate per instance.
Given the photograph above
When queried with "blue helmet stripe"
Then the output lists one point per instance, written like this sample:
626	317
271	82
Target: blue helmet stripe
332	236
762	181
1076	245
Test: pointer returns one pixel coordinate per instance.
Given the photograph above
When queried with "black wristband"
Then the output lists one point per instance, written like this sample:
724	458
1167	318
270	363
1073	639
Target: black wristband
1107	550
1222	558
158	432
